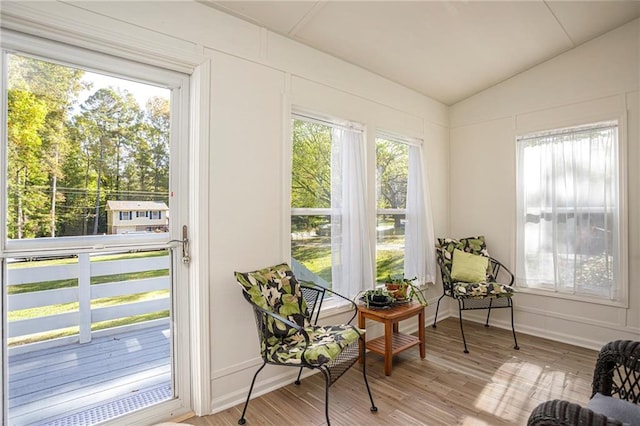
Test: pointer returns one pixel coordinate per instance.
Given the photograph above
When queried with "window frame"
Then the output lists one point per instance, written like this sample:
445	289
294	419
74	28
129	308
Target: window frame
189	86
579	120
78	57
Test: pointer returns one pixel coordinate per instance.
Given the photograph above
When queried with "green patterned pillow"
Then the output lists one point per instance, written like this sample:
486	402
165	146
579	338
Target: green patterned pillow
276	289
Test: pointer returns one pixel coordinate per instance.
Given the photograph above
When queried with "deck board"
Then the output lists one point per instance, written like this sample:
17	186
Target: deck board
55	382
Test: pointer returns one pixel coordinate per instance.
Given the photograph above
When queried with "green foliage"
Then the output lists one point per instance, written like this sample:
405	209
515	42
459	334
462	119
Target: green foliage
26	118
311	165
392	163
66	159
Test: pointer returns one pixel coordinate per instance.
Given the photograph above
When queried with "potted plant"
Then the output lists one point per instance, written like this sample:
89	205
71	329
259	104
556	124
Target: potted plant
378	297
404	288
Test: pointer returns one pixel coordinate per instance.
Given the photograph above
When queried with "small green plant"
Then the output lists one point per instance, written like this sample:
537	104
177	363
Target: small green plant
377	296
405	288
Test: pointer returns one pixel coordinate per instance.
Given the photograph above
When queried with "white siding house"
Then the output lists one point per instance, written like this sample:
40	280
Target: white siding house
137	216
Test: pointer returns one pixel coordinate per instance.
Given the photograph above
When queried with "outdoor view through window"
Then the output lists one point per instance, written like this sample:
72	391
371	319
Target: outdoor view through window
87	155
77	140
313	184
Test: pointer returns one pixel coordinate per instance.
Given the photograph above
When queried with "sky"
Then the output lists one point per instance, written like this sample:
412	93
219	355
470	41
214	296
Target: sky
142	92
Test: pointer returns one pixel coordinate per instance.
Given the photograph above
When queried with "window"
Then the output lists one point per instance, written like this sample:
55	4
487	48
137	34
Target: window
568	224
329	237
403	221
330	220
125	215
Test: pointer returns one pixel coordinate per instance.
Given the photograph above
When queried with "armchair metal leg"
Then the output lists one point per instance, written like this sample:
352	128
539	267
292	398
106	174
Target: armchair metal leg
437	307
327	383
366	382
486	324
464	341
513	329
297	382
246	404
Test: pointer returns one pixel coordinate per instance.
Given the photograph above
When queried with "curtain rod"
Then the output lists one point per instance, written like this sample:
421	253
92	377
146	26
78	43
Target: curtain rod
568	130
340	124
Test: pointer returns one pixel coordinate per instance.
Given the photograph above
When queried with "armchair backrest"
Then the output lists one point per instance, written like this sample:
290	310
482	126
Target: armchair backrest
277	290
444	252
617	371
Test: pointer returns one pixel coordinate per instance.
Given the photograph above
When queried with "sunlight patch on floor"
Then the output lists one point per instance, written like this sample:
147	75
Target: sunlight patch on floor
504	397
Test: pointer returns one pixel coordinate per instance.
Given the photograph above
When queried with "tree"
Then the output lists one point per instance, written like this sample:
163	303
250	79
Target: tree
26	117
157	120
392	159
109	121
310	170
55	88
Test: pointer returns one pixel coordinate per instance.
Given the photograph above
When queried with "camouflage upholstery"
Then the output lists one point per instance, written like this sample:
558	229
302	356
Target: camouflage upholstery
473	245
286	313
277	290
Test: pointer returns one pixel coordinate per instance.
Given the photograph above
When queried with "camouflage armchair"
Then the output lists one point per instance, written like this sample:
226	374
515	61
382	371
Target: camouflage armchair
286	314
474	279
615	393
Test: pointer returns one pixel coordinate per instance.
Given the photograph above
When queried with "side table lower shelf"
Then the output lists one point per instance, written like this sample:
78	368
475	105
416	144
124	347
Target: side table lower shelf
399	343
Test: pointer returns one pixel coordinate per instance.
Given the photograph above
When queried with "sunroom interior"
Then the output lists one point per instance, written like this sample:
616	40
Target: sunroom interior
251	65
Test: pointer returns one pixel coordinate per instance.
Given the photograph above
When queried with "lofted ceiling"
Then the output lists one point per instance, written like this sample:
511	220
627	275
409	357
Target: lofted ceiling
447	50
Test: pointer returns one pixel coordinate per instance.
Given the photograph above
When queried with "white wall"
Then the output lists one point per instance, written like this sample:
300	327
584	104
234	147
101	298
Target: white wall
256	76
597	80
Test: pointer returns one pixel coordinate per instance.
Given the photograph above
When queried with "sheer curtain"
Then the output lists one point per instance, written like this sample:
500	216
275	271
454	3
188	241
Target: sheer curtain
351	263
568	210
420	257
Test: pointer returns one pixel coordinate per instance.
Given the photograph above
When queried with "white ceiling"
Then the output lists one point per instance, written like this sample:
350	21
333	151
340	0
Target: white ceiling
447	50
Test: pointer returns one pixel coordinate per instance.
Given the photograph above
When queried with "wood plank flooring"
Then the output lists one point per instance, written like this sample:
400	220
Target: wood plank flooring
492	385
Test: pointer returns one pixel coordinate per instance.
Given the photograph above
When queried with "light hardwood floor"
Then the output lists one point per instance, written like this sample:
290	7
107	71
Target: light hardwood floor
492	385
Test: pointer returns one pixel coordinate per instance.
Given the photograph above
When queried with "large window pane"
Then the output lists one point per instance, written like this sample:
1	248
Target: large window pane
78	142
311	248
88	336
568	210
310	198
392	166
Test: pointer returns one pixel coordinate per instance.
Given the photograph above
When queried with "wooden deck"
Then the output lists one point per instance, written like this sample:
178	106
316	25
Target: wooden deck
88	383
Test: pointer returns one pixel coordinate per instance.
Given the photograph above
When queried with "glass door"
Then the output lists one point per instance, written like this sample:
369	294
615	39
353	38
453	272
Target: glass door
94	230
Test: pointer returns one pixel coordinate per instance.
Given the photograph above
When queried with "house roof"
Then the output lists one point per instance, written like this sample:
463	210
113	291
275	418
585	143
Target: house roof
136	205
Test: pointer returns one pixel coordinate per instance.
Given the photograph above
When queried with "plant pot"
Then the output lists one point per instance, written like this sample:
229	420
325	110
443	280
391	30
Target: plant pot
398	291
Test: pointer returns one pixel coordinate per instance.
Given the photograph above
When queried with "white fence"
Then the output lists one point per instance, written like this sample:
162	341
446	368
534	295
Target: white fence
84	293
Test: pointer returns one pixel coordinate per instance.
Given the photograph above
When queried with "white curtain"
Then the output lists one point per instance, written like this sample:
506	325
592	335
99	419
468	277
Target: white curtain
568	210
351	263
419	256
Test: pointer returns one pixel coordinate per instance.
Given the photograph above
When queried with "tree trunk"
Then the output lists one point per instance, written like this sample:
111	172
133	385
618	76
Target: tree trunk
54	189
97	210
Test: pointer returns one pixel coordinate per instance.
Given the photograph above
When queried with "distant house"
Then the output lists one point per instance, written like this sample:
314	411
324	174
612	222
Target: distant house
137	216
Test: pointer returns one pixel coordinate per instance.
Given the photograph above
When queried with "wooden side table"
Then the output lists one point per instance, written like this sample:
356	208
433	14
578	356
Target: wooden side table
393	342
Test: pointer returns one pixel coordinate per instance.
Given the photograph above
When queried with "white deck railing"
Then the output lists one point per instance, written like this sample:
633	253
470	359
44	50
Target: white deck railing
84	293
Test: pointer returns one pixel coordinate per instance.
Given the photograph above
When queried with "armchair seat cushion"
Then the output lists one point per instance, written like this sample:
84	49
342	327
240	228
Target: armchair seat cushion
615	408
326	343
481	290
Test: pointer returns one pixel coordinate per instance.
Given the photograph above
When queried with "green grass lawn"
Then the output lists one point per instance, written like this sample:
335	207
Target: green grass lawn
315	254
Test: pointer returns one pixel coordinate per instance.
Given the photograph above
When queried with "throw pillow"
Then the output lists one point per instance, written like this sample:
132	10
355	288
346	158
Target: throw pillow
619	409
468	267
